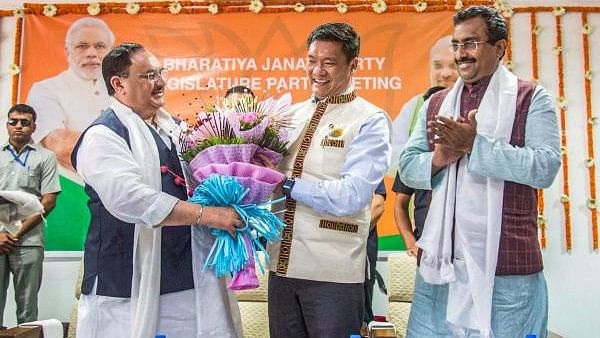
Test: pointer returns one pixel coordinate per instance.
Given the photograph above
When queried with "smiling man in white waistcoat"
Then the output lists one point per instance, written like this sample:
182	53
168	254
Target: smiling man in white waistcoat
337	158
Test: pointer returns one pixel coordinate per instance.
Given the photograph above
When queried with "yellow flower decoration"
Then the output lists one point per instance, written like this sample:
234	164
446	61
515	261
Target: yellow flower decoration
557	50
592	203
458	5
499	5
421	6
563	150
586	29
50	10
589	162
19	13
564	198
93	8
379	6
175	7
213	8
588	75
541	219
537	29
337	132
507	12
558	11
256	6
341	7
132	8
14	69
299	7
561	102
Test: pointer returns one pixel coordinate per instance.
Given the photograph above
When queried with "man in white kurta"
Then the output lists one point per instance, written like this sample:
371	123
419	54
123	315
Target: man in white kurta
143	261
70	101
337	158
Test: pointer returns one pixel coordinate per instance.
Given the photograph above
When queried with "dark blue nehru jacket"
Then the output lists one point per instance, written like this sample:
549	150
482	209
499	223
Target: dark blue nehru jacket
109	244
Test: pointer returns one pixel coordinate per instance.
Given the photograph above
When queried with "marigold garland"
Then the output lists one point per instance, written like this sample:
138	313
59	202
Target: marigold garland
508	56
17	60
589	163
548	9
535	66
274	6
563	126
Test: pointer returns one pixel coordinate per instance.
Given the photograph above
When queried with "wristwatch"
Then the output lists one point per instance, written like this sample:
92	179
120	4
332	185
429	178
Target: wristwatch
288	184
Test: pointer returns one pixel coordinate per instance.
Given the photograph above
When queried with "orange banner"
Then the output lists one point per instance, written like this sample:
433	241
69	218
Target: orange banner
206	54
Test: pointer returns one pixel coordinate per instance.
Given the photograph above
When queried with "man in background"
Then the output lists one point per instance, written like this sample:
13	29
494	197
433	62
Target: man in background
68	102
30	168
236	93
377	209
421	201
442	73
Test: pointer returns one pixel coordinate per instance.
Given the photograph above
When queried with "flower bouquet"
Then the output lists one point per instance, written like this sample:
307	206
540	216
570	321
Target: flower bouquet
224	149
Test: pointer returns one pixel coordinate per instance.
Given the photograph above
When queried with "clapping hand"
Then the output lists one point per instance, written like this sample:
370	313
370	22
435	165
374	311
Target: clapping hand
452	138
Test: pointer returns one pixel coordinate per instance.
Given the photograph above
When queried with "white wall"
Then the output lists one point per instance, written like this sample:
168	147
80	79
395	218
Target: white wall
573	278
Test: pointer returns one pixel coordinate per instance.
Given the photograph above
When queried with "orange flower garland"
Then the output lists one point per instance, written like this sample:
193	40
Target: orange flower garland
548	9
535	66
590	135
275	6
16	60
508	41
563	126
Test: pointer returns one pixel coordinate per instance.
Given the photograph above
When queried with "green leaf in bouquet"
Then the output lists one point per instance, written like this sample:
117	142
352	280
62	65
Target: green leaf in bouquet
190	153
270	140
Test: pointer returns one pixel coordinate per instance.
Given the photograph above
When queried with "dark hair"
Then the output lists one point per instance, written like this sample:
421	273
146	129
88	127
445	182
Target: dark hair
338	32
240	90
432	91
23	109
117	62
496	25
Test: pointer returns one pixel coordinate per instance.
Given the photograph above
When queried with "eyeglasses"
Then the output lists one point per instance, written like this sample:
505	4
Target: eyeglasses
153	75
24	122
468	46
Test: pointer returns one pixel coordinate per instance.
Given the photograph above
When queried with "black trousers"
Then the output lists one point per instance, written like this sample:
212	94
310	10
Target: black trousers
301	308
370	275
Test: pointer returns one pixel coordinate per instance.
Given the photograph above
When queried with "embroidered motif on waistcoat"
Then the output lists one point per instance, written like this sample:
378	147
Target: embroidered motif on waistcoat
339	226
328	142
290	205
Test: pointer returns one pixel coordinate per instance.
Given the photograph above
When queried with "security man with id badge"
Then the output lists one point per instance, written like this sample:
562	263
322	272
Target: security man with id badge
28	168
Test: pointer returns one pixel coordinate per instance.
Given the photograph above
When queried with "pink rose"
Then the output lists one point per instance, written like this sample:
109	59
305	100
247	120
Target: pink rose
249	118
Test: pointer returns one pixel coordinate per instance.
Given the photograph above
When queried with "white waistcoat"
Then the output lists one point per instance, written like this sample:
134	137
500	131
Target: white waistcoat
326	247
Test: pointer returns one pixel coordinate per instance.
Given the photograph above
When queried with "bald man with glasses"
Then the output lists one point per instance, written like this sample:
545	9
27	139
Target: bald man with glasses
145	245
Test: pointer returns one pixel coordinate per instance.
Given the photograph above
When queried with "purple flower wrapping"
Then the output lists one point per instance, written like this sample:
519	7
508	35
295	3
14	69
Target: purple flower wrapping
225	153
259	180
